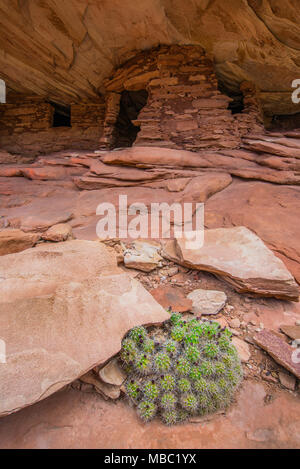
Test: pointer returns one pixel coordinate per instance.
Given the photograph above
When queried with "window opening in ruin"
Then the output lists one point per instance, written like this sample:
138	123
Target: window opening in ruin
61	115
131	104
2	92
285	122
237	105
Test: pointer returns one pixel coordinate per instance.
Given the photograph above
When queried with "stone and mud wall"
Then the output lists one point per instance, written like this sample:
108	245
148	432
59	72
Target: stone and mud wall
184	109
26	126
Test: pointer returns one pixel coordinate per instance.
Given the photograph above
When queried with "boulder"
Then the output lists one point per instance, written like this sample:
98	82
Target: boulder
207	301
241	258
143	256
16	241
57	233
65	308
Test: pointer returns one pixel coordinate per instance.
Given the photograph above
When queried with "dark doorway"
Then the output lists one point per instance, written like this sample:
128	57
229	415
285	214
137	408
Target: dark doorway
131	104
285	122
61	115
237	105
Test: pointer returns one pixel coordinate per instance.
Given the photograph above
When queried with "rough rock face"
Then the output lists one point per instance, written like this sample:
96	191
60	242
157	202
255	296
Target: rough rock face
16	240
64	309
66	53
241	258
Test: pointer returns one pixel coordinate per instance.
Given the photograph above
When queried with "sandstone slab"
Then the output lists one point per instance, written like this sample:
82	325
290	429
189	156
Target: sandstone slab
267	209
284	354
172	297
288	381
207	302
292	331
65	308
242	259
16	241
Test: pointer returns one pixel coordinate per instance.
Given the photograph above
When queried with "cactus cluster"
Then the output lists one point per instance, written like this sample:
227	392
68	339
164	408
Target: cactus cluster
193	370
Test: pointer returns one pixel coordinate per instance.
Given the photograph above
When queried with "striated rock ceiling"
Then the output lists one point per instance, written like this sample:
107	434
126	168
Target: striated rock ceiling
63	50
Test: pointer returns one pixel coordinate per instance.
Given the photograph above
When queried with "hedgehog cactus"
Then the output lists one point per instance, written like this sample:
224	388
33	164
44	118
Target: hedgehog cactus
195	369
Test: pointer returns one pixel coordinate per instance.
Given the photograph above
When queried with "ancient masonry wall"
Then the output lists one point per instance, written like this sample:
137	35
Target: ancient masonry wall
185	109
26	126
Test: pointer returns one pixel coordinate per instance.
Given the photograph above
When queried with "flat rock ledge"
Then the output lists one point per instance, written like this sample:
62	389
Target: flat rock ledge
65	308
239	257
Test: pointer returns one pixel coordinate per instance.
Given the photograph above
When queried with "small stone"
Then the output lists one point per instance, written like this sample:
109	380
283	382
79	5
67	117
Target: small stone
112	373
235	323
266	375
106	390
143	256
58	233
222	321
288	381
242	348
207	302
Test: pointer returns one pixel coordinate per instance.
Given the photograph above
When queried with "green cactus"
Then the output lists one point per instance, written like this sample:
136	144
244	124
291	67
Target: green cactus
183	366
195	373
167	383
189	402
168	400
178	333
138	334
194	370
170	417
132	389
148	345
147	410
162	362
211	350
143	364
176	319
200	386
151	390
184	385
193	353
171	347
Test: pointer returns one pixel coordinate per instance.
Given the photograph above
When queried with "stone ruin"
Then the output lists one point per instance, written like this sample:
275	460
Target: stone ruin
167	97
